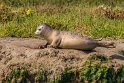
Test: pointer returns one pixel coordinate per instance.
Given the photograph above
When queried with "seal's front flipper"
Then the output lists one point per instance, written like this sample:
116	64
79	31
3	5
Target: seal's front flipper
55	43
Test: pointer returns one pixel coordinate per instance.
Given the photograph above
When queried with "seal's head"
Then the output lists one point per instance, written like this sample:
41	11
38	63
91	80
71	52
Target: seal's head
43	29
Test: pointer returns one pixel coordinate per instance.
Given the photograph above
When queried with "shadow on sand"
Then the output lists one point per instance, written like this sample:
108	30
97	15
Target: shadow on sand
117	56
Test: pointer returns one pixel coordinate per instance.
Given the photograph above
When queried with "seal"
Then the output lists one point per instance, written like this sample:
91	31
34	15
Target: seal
68	40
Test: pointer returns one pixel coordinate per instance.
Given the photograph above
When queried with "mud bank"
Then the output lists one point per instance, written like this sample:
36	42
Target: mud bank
24	60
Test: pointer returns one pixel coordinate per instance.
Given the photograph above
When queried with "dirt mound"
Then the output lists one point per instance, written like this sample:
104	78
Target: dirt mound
29	54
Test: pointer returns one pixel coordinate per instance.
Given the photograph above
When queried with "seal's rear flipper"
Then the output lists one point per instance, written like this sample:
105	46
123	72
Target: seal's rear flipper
108	44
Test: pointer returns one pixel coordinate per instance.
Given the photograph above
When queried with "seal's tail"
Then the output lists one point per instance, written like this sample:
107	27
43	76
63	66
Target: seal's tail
106	44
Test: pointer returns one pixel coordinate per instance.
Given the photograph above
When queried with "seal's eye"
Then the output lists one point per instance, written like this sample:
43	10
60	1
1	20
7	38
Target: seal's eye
39	29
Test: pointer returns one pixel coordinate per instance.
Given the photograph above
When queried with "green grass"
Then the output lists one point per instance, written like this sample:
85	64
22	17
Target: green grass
69	15
98	69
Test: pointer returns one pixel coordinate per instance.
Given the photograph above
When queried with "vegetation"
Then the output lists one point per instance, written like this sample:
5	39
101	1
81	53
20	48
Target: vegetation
102	74
95	70
95	57
68	76
23	74
17	76
98	70
19	18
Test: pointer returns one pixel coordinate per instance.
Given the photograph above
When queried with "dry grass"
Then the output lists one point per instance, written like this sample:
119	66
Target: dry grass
109	12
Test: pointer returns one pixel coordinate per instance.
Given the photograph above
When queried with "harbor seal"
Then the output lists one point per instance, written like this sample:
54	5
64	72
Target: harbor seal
68	40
